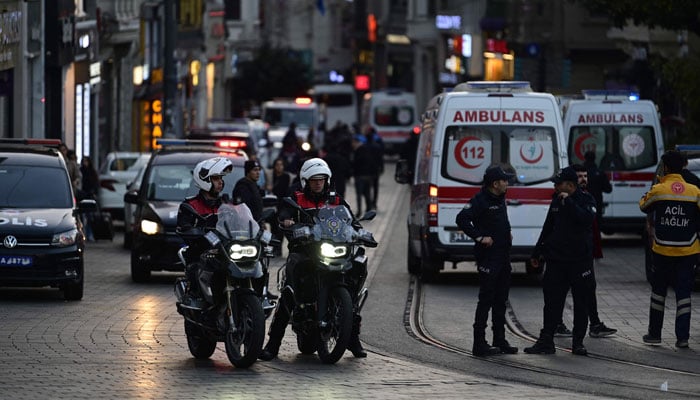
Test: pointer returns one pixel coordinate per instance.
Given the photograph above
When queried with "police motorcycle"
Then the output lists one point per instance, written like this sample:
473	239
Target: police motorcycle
331	291
228	268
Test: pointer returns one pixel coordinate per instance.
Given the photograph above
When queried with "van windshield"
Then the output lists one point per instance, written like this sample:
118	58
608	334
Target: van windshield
285	116
26	186
616	147
527	151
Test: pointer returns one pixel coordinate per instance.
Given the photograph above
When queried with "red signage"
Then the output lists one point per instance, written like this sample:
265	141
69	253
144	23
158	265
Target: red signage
362	82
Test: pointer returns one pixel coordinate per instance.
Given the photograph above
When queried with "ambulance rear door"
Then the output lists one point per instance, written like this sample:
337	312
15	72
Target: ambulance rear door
523	132
627	140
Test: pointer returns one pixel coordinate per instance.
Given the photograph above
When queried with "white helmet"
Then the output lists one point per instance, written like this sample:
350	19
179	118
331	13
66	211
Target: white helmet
204	170
313	167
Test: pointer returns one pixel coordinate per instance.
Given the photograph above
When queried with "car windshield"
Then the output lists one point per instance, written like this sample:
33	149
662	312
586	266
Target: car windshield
174	182
34	187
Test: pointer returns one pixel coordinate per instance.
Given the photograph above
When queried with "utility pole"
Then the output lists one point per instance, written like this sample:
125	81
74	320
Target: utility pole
173	128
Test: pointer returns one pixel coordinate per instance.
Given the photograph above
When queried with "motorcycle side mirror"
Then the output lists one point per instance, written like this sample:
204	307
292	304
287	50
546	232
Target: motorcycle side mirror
267	214
187	208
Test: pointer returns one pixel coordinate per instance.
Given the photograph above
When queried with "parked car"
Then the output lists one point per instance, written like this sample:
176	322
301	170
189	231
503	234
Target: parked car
118	169
692	153
41	234
166	182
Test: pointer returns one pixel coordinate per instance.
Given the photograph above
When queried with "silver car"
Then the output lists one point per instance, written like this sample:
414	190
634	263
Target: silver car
118	169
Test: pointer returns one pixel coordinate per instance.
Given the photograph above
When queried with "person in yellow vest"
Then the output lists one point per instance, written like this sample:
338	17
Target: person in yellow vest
673	206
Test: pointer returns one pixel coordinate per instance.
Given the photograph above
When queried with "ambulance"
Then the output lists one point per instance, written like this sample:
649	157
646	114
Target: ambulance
393	114
625	134
476	125
278	115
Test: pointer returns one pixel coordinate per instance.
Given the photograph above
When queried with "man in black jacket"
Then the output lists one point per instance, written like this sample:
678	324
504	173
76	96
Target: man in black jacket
485	220
247	190
566	244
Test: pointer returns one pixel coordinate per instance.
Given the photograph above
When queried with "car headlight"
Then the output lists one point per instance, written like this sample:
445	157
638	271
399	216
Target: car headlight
236	251
330	251
66	238
150	227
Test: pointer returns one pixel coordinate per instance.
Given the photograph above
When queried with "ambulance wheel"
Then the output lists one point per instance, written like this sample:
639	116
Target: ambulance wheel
429	269
412	261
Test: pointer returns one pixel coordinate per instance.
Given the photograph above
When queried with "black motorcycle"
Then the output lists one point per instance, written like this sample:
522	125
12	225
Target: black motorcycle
229	265
328	288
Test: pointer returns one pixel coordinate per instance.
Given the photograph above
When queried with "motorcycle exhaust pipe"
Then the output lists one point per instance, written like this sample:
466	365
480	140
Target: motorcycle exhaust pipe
361	298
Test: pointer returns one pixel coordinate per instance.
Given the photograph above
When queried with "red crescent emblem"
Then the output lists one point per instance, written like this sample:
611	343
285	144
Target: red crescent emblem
531	161
458	152
578	145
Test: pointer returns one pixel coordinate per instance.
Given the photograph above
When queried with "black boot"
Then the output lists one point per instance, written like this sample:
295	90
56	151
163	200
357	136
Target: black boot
481	348
578	348
355	346
505	347
270	351
544	345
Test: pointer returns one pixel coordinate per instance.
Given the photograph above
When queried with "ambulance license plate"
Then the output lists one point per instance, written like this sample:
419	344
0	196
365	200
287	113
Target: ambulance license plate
459	237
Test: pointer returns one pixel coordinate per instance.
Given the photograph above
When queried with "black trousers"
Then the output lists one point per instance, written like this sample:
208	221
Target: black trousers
559	277
494	286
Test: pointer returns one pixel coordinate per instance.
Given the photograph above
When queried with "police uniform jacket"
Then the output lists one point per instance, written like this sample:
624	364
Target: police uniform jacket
204	207
567	233
486	215
675	209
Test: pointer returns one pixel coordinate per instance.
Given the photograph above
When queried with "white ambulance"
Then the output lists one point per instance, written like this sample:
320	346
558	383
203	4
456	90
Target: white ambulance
280	113
476	125
626	136
393	114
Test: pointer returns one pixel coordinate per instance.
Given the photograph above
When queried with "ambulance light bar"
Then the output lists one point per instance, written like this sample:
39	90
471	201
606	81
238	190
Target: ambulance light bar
610	95
494	86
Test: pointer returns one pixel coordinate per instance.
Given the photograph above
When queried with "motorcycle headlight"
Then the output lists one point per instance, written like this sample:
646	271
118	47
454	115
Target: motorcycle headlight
150	227
66	238
331	251
236	251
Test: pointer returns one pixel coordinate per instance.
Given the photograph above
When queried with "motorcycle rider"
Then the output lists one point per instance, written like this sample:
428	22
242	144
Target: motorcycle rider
315	181
208	176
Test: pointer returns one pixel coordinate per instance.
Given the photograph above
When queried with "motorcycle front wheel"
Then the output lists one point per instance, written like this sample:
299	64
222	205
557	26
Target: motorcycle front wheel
334	339
245	342
199	344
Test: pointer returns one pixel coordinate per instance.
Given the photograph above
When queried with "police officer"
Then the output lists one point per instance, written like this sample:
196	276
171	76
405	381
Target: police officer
674	207
485	220
566	244
315	181
247	190
208	177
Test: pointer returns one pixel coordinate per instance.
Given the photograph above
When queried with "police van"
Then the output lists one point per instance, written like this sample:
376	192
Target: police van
476	125
625	134
393	114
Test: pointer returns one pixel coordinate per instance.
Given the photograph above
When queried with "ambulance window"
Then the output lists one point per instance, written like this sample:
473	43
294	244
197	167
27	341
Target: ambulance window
532	154
586	138
393	115
619	148
468	151
638	149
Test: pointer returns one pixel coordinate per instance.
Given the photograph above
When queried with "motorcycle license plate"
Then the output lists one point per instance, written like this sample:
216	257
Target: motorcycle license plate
16	261
459	237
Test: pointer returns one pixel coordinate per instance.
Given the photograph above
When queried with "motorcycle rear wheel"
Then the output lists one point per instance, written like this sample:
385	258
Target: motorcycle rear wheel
199	344
244	346
335	338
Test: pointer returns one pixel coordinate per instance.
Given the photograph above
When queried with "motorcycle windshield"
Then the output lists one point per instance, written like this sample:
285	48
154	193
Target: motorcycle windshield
334	223
235	221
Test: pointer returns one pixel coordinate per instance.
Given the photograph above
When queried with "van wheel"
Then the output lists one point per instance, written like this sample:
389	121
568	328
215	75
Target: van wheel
412	261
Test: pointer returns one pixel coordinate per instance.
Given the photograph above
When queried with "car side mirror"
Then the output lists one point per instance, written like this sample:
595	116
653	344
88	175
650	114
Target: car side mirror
131	197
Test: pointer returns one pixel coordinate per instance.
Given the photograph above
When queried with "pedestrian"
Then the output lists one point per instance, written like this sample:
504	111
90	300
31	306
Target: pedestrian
598	183
597	328
340	166
566	245
72	165
363	171
376	144
485	220
89	186
281	182
247	190
674	208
